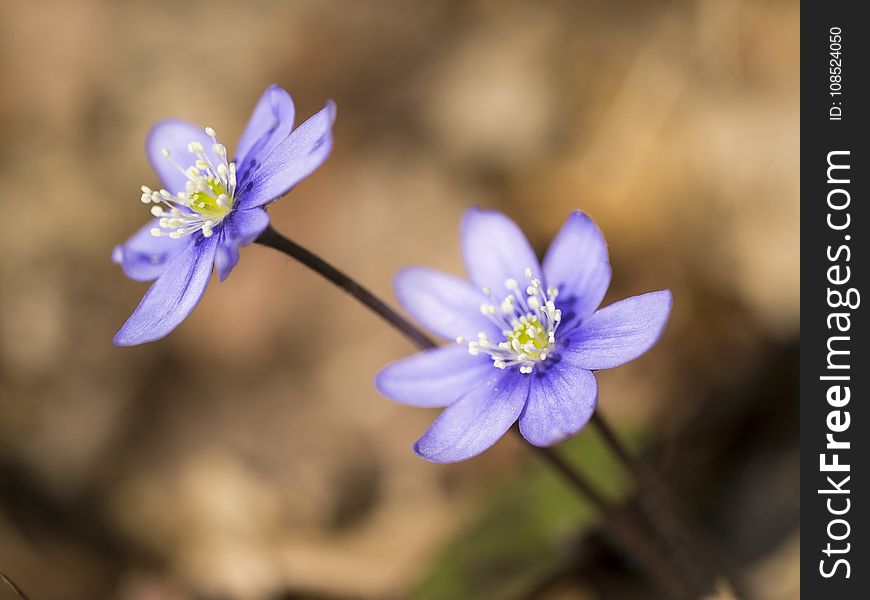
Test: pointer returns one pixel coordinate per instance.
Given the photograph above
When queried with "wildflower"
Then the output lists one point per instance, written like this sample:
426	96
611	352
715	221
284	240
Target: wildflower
210	206
528	337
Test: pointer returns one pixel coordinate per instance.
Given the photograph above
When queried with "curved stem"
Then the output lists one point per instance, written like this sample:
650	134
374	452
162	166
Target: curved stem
276	241
623	527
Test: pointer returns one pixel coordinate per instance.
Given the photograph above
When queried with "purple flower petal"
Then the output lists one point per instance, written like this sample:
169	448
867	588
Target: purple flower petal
226	258
172	297
290	161
271	122
175	135
144	257
475	422
495	250
561	401
445	304
577	265
240	228
618	333
433	378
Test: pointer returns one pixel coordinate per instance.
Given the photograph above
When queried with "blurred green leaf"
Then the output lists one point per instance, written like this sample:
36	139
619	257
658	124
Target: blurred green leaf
523	532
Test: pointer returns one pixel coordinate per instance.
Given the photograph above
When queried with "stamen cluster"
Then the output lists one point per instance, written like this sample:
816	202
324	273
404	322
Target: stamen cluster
208	195
528	322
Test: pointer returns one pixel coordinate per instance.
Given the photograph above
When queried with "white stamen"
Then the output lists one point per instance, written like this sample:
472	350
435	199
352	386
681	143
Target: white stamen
528	322
208	196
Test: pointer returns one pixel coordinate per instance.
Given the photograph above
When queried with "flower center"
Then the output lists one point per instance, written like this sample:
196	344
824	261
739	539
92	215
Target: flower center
528	322
208	195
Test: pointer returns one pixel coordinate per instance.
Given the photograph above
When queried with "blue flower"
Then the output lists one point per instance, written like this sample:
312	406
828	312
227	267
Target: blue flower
210	206
529	337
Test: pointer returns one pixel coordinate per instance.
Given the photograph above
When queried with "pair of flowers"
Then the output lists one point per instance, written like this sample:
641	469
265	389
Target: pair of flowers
526	335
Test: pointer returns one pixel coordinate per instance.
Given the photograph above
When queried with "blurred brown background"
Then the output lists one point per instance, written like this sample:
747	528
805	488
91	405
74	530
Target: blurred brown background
248	456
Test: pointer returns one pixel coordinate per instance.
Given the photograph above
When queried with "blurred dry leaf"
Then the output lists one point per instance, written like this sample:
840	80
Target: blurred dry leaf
723	592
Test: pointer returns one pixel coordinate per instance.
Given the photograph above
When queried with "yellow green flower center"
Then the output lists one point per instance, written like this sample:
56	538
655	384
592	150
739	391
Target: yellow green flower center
208	196
528	322
206	202
529	335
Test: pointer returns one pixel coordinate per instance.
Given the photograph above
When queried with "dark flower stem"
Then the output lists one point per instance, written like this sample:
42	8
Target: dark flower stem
623	526
662	510
11	585
276	241
629	533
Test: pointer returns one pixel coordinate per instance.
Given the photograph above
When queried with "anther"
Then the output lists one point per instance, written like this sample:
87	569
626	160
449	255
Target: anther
207	195
528	322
